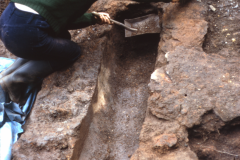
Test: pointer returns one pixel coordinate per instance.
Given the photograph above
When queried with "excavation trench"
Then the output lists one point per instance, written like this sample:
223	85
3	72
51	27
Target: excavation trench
122	93
109	129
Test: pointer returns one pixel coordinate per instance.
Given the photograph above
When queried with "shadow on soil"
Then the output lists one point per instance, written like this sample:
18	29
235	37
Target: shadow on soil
214	139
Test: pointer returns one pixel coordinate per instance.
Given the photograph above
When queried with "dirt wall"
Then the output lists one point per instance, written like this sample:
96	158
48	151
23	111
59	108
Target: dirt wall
170	96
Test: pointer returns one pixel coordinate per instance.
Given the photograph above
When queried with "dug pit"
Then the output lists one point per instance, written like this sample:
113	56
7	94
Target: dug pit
95	110
121	102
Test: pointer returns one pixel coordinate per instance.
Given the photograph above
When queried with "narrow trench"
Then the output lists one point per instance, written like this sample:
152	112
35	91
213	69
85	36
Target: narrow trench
121	102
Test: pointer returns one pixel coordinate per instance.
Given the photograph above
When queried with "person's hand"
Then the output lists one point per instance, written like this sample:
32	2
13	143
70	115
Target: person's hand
104	18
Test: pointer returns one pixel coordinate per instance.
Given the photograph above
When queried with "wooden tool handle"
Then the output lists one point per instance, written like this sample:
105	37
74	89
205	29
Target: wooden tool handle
116	22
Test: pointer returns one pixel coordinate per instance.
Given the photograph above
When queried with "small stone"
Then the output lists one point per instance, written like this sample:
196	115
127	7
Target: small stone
184	111
212	8
165	140
59	129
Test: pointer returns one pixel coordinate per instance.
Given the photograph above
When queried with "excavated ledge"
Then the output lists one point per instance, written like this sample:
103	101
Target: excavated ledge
122	90
171	96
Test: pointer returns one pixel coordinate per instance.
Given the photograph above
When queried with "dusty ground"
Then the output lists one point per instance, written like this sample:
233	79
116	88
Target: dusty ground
171	96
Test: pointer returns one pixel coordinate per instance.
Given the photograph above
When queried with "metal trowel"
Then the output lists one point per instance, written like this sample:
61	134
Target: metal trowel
141	25
144	25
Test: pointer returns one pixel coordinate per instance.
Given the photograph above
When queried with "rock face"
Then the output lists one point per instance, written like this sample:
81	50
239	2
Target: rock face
60	119
189	86
169	109
151	97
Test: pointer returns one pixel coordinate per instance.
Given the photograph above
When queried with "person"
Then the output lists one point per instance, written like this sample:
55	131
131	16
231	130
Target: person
36	31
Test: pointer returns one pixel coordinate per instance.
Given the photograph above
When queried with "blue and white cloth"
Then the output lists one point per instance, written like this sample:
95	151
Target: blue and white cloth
12	117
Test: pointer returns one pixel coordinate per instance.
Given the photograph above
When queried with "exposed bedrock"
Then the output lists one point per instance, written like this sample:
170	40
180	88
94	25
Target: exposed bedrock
188	87
173	96
183	34
61	116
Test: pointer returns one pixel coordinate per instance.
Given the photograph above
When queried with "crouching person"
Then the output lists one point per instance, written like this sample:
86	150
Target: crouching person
36	31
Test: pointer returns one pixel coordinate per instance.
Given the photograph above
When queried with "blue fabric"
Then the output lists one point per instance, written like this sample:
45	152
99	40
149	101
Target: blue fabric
12	117
29	36
5	63
8	136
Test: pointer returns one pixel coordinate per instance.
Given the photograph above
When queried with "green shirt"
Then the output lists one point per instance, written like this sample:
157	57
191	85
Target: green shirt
166	1
61	13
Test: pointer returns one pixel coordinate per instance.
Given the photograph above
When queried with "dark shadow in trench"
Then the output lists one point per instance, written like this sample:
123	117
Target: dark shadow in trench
126	68
214	139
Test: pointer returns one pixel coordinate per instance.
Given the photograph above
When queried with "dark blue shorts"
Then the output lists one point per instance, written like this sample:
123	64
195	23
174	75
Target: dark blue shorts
29	36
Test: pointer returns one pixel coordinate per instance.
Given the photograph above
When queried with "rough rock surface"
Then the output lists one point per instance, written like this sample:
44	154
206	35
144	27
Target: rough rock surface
59	121
168	97
167	105
191	84
3	4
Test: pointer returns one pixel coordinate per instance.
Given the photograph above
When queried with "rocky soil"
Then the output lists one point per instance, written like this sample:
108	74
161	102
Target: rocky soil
3	4
168	96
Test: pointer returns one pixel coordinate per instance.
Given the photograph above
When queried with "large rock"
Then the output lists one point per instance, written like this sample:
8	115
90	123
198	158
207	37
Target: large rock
194	83
59	121
187	84
184	27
